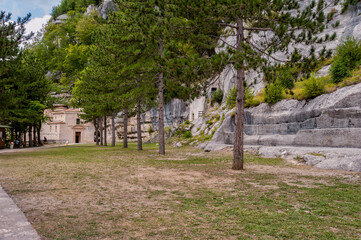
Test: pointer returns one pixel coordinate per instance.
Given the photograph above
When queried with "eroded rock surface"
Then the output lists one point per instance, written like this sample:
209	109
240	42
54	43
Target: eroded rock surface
330	120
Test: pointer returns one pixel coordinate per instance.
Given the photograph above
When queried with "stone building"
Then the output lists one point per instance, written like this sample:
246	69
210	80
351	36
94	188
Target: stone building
64	124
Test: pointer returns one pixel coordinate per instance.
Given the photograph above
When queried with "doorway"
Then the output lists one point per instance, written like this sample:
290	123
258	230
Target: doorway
77	137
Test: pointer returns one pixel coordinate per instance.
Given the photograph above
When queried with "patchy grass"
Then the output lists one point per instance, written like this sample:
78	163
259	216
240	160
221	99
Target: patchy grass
318	154
88	192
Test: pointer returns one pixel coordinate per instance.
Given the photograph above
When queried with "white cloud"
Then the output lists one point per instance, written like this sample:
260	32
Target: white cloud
36	24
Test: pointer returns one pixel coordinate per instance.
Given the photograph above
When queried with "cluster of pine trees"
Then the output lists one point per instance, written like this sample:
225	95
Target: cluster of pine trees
149	51
24	89
72	5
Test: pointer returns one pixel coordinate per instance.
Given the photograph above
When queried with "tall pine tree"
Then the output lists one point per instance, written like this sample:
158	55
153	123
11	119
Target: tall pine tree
264	31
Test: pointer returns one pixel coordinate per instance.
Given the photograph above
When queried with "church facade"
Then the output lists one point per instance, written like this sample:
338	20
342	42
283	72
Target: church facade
65	125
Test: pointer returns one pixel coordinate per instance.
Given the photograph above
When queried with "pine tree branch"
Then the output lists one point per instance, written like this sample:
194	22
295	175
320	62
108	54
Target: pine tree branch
265	53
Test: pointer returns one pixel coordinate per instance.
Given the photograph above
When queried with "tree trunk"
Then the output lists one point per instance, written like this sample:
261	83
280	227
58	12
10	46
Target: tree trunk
125	135
39	137
30	136
139	128
34	136
113	130
12	134
96	131
24	139
101	131
161	105
105	131
238	134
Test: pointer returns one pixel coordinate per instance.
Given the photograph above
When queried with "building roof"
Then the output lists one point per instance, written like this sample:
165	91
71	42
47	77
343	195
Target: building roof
73	110
56	122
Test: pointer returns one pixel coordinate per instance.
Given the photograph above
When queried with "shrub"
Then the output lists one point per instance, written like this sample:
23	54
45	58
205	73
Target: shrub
285	78
217	96
347	58
179	132
231	98
187	122
248	94
150	130
273	93
339	71
313	87
250	101
187	134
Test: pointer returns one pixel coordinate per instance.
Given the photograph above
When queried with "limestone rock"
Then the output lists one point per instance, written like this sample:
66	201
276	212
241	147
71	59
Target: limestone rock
106	7
324	71
327	158
60	19
90	9
175	112
330	120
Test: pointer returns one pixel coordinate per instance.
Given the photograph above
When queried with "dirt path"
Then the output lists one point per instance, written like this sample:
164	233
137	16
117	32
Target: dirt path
24	150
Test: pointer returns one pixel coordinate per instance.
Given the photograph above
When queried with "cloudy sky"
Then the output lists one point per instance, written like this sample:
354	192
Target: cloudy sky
39	9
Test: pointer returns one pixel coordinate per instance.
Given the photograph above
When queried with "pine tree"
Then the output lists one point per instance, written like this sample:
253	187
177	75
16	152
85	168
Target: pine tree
12	34
157	34
264	32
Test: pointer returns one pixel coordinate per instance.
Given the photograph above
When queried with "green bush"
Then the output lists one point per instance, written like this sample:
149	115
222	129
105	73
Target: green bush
179	132
217	96
347	58
313	87
187	134
250	101
150	130
339	71
285	78
248	94
273	93
231	98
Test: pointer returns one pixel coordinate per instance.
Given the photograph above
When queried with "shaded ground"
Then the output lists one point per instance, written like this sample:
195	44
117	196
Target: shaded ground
87	192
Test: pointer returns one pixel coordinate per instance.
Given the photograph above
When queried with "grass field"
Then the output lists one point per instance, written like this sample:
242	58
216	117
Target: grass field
88	192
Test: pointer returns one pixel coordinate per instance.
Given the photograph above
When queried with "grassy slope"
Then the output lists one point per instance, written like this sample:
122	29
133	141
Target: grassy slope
86	192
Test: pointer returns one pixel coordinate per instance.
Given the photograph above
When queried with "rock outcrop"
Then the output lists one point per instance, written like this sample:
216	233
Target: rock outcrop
349	25
106	7
175	112
330	120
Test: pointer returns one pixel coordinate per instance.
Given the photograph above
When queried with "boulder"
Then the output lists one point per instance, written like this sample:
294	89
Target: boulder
106	7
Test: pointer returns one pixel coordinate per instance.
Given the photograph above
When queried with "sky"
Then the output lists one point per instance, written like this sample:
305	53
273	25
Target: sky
39	9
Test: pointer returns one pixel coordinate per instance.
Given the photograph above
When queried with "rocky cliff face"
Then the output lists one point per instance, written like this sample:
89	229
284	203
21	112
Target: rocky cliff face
330	120
175	112
350	25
